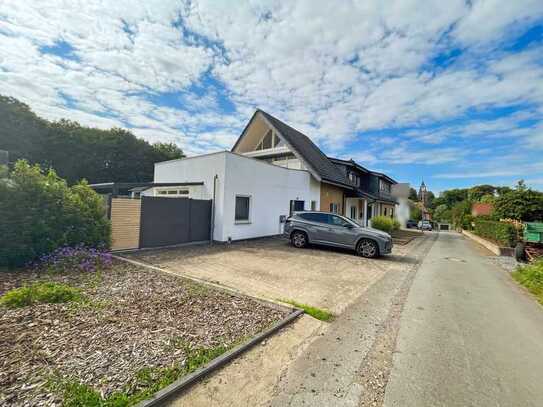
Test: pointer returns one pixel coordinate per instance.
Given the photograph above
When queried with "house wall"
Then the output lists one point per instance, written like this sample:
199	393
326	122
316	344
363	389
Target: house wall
331	194
269	187
390	210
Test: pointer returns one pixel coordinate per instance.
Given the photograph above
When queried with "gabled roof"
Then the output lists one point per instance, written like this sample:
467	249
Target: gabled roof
350	163
381	175
303	145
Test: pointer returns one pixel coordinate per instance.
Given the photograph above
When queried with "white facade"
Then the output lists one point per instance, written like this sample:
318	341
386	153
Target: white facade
270	189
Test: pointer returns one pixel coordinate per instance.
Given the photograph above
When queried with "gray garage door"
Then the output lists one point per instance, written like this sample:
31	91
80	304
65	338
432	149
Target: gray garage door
171	221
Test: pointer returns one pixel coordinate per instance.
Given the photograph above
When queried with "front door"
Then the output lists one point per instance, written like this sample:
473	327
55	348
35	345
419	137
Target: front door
354	213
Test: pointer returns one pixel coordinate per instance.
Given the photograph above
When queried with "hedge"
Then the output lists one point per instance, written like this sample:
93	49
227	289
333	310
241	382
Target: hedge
504	234
39	213
383	223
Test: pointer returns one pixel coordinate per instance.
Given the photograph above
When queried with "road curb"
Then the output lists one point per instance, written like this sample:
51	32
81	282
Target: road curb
186	381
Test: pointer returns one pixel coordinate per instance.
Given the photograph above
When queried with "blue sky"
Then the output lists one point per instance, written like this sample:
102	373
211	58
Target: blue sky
452	94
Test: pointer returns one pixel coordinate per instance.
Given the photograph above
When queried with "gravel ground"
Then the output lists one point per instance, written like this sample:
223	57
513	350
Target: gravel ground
507	263
134	318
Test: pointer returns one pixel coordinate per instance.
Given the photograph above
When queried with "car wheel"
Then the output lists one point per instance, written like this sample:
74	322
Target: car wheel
367	248
299	239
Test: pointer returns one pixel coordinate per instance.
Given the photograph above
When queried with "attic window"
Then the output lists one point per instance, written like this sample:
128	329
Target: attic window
270	140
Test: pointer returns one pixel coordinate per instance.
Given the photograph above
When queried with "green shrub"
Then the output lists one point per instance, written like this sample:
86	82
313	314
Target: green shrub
383	223
502	233
40	293
39	212
531	276
395	224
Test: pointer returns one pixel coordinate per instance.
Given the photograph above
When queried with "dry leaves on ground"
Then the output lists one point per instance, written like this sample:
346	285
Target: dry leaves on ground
132	318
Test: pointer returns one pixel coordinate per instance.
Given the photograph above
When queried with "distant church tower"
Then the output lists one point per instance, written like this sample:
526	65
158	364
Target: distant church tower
423	193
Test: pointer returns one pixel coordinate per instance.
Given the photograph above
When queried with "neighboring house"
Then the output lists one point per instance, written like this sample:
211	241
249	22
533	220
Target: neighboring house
481	209
371	194
271	171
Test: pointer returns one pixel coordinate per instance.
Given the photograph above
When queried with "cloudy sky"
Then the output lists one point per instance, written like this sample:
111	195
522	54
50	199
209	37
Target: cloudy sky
449	91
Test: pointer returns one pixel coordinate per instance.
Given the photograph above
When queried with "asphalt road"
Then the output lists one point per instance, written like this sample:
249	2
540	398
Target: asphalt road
468	336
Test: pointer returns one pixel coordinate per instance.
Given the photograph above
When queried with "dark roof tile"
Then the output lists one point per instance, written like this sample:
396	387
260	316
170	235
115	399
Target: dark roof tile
309	151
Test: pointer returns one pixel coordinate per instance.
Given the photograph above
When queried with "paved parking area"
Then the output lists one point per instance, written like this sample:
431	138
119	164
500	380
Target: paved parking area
271	268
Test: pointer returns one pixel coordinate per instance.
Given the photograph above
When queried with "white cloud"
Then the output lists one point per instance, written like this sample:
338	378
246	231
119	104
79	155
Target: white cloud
333	70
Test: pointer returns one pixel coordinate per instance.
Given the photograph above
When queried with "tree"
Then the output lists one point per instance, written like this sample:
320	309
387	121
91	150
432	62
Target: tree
461	214
478	191
451	197
442	213
416	213
77	152
522	203
413	194
430	198
488	199
168	151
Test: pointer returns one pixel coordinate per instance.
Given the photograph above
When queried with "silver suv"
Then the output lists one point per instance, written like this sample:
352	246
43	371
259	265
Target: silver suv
334	230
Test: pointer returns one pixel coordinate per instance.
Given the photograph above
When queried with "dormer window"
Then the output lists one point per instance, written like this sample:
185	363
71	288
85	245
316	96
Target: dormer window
355	179
270	140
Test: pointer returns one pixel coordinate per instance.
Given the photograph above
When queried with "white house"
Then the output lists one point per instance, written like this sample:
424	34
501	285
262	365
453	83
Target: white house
249	196
272	170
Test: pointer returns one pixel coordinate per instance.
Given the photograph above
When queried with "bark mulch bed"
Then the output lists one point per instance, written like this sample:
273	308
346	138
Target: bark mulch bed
132	318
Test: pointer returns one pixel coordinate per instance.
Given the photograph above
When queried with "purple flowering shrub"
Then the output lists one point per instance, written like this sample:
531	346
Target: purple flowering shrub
68	259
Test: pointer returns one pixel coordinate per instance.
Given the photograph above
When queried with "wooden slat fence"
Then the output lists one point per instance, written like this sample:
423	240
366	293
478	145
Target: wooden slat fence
125	223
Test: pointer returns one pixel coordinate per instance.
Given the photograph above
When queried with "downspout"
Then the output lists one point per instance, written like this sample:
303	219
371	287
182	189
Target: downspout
212	223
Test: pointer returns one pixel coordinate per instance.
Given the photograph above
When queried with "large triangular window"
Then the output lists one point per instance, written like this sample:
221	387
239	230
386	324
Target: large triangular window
270	140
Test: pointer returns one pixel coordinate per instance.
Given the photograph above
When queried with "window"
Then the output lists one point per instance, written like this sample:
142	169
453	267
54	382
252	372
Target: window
333	207
353	212
355	180
384	186
296	206
337	221
313	205
385	211
270	140
172	193
315	217
242	208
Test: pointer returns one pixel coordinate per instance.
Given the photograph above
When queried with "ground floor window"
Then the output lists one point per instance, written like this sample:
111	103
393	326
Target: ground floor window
385	212
333	207
353	212
313	205
243	203
296	206
173	193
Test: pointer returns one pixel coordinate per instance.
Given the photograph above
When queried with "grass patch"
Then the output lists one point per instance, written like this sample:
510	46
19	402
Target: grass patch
318	313
40	293
531	277
147	382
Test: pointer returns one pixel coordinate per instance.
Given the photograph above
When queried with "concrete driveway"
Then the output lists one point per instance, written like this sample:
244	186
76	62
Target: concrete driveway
271	268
